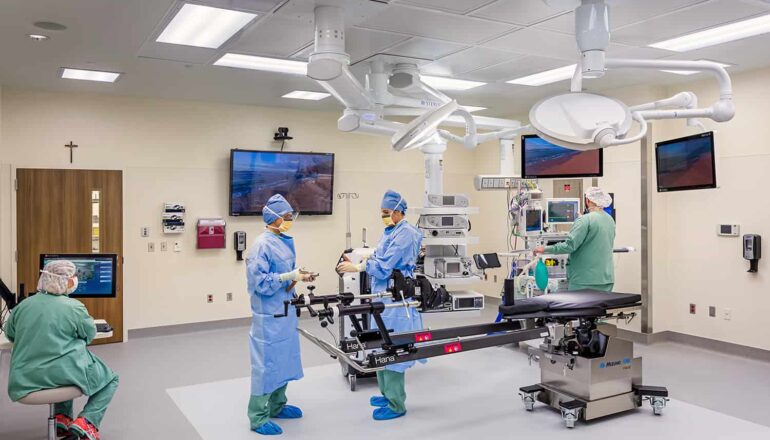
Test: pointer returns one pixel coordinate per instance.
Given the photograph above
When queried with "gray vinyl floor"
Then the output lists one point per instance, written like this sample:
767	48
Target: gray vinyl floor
194	386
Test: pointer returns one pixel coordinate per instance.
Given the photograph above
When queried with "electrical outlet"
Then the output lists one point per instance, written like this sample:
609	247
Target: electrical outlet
145	231
692	309
495	277
209	298
163	246
150	247
712	311
727	314
229	296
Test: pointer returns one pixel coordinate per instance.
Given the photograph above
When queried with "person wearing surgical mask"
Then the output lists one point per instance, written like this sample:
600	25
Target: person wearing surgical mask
589	245
398	250
272	273
50	332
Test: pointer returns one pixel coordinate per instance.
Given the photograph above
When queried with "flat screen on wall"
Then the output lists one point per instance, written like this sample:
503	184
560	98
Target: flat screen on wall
686	163
306	180
544	160
96	273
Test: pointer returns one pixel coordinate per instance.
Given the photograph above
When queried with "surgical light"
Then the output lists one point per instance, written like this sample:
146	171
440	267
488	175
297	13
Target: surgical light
310	96
547	77
89	75
422	128
718	35
580	121
452	84
252	62
692	72
204	26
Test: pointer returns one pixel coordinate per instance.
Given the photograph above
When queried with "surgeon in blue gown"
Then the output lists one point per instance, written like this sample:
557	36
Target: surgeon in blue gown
398	250
274	342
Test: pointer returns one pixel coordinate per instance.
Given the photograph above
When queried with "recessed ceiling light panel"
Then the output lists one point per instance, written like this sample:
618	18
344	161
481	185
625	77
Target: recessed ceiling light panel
717	35
310	96
37	37
442	83
252	62
547	77
204	26
89	75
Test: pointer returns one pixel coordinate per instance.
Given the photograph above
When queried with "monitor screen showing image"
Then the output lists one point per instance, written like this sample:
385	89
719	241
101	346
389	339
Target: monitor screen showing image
96	273
542	159
562	210
306	180
686	163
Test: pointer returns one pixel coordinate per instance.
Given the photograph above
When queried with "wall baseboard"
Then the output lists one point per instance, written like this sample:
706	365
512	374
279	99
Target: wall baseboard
169	330
697	341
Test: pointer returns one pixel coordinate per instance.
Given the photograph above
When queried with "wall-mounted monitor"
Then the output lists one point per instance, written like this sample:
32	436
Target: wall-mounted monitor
686	163
306	180
544	160
96	273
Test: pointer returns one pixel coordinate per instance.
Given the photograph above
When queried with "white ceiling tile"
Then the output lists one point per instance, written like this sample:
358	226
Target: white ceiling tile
515	69
533	41
564	23
467	60
686	21
518	12
425	48
650	53
275	36
624	12
363	43
456	6
176	52
436	25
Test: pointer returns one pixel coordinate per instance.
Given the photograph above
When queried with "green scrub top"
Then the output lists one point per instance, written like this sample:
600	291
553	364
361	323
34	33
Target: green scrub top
49	335
589	246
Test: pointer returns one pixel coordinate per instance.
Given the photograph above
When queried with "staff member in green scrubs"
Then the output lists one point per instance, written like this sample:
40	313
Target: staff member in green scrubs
50	332
589	246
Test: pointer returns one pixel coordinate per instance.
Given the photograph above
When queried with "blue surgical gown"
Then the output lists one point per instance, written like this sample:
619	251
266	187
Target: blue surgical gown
274	342
397	250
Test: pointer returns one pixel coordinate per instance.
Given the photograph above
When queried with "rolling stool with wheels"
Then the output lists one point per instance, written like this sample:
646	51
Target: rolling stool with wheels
50	398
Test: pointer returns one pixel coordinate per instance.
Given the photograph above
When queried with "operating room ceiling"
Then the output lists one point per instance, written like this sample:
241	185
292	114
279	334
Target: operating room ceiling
483	40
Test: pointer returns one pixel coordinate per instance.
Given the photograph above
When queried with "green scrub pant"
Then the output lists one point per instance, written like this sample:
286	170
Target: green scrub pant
602	287
96	405
261	408
392	386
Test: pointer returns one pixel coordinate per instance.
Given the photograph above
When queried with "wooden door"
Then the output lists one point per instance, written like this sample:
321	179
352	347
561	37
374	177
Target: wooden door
56	213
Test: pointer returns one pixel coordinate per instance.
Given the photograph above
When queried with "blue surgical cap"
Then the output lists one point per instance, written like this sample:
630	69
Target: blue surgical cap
275	207
393	201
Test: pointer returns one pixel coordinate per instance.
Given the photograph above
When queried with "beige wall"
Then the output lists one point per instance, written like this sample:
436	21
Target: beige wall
179	151
703	268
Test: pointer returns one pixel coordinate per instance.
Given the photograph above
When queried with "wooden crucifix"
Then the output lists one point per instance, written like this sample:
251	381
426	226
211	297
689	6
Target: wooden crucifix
71	146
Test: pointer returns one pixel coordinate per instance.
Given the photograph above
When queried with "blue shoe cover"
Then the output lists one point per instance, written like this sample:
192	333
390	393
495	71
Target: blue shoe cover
378	401
386	414
269	428
289	412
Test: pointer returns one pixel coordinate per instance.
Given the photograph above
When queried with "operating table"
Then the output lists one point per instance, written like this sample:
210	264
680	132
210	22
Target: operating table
586	371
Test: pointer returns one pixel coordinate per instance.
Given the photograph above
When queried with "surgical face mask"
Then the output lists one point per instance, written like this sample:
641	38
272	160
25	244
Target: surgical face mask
285	226
387	220
74	287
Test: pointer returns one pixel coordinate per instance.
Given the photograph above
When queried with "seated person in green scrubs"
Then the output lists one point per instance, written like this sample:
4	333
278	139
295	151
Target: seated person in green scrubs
589	246
50	332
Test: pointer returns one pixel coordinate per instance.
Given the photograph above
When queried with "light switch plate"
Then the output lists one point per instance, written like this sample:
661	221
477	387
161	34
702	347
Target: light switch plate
145	231
163	246
150	247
